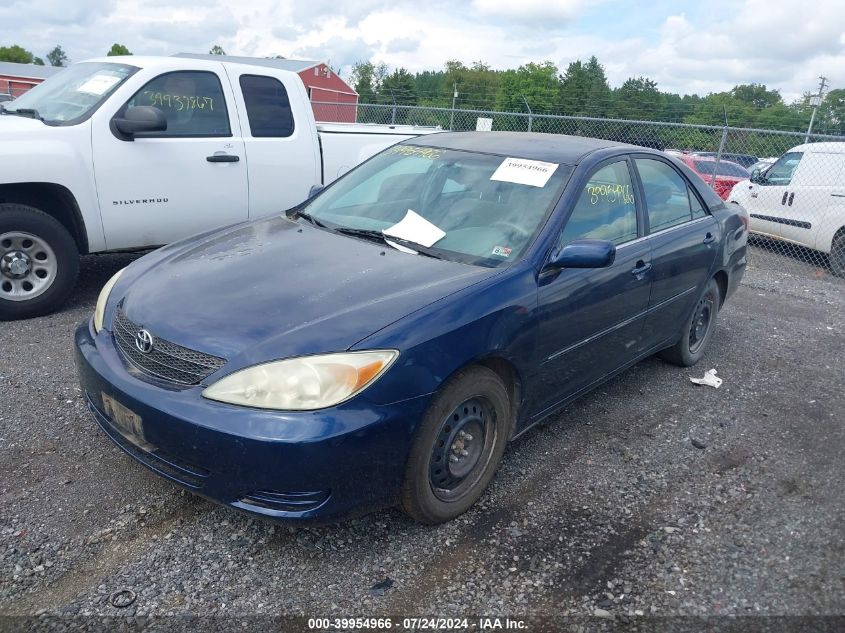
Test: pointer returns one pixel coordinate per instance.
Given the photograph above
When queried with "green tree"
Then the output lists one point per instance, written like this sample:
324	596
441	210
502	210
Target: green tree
57	56
399	86
756	95
584	90
538	84
638	98
38	61
118	49
217	50
17	54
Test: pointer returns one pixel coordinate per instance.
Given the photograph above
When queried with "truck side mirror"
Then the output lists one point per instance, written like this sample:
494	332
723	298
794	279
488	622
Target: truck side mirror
755	175
139	119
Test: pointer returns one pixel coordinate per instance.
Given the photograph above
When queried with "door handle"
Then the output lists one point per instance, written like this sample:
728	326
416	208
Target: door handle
709	238
641	268
222	158
791	198
783	200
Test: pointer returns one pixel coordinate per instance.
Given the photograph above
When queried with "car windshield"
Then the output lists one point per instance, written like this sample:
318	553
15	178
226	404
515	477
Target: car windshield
73	93
474	208
706	167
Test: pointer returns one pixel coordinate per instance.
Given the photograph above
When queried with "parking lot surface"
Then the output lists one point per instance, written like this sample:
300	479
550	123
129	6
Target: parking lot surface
648	496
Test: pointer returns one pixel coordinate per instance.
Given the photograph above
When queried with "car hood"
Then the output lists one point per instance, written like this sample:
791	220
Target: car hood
13	126
276	288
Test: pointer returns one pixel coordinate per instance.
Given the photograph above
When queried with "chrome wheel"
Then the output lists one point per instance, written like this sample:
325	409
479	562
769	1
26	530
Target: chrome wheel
462	449
28	266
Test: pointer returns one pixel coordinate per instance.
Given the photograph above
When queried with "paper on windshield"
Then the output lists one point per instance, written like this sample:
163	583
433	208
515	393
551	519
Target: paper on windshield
415	228
99	84
521	171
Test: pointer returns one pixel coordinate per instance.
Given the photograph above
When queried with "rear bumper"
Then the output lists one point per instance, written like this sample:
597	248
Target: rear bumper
314	466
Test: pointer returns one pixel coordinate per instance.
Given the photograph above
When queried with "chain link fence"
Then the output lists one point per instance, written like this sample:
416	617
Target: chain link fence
792	184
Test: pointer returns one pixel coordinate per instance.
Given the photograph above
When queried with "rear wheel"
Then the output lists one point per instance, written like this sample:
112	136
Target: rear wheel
458	446
837	255
698	330
39	262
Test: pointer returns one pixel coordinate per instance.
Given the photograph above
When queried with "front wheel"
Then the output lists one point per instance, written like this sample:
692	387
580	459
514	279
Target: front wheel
458	446
39	262
698	330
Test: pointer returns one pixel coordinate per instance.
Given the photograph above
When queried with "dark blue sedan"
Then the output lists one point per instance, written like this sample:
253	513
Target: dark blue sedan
381	343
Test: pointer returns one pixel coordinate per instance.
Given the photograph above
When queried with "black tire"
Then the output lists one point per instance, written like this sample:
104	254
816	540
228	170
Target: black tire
698	330
837	255
39	262
472	387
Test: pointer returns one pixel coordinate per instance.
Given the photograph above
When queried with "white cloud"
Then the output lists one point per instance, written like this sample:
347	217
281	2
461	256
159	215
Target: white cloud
707	48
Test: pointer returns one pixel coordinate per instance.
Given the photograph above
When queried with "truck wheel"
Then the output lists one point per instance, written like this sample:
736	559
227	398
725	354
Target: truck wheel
837	255
458	446
39	262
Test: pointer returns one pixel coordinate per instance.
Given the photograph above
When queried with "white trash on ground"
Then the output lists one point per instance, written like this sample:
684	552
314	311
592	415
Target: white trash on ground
710	379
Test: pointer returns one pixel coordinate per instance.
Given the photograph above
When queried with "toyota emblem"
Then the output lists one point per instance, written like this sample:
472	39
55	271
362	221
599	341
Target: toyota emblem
144	341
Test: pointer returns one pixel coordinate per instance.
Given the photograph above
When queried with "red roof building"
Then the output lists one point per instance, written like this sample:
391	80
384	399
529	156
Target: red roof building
16	79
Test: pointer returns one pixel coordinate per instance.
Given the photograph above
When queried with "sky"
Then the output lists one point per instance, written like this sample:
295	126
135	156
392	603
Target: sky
687	47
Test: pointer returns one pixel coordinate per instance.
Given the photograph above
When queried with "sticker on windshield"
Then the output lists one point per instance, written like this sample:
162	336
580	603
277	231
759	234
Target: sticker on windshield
415	228
521	171
502	251
99	84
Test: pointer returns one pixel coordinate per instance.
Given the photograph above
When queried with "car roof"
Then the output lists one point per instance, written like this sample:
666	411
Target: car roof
554	148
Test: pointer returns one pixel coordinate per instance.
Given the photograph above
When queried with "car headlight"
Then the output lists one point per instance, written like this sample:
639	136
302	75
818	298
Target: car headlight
302	384
100	310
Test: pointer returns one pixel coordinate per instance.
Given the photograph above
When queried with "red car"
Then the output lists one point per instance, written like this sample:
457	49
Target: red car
727	173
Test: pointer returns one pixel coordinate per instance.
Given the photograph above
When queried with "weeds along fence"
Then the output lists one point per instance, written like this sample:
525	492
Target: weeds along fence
796	201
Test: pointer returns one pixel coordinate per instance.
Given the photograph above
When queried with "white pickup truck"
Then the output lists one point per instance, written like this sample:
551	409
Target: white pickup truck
126	153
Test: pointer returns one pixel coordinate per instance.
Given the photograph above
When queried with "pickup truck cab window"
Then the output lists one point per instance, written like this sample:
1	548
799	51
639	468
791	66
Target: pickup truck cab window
74	94
606	209
192	102
667	196
267	106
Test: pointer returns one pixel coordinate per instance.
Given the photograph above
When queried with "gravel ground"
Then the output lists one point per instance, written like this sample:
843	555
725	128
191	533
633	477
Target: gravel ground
649	497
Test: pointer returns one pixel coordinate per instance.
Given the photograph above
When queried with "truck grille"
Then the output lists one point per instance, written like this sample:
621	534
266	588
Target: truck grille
167	361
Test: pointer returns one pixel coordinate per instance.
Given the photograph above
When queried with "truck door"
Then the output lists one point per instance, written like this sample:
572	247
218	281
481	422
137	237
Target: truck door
284	162
162	186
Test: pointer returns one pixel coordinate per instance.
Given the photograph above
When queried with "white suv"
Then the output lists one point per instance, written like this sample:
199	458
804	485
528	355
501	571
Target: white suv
801	199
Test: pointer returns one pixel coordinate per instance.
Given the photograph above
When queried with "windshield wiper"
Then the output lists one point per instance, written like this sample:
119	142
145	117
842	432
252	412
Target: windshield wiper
32	113
311	219
378	236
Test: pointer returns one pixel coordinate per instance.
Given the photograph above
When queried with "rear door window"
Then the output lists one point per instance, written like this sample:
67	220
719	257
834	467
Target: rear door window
267	106
667	195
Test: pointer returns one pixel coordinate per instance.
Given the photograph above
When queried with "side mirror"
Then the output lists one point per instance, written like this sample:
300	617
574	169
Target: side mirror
315	189
584	254
140	119
756	175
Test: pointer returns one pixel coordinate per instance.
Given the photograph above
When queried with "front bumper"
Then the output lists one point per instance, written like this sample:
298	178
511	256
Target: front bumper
310	466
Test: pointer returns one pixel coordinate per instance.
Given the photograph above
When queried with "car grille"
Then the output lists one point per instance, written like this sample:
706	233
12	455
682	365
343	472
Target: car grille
167	361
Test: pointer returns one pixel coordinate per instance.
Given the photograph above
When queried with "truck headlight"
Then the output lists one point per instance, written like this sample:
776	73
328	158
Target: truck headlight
302	384
100	310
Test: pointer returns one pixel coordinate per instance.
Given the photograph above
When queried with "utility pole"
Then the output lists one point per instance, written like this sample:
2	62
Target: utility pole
454	98
815	101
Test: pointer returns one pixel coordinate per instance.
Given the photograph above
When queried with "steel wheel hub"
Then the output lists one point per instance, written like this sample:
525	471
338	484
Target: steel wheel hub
700	323
460	448
27	266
